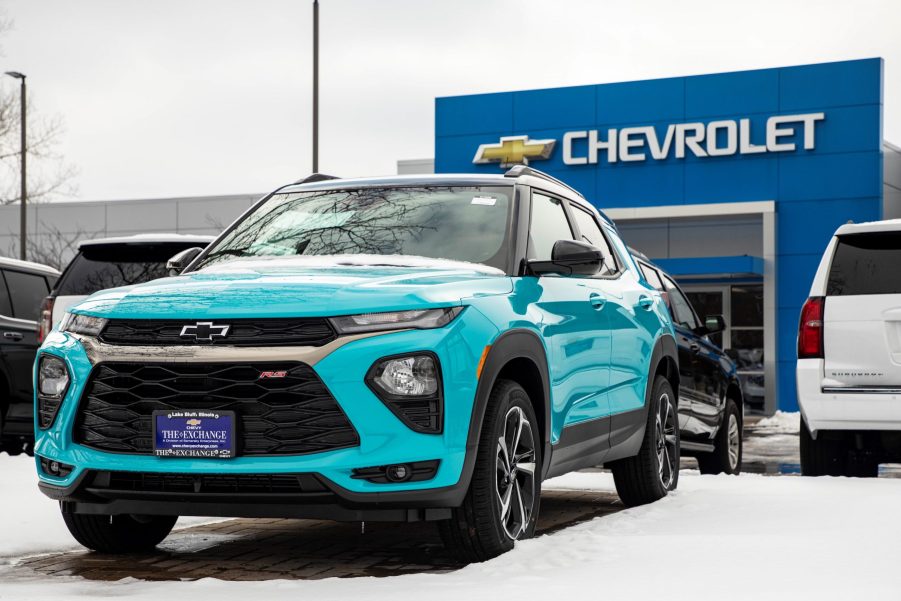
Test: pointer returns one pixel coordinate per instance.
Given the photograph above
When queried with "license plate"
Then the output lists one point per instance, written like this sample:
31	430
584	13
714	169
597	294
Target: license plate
194	434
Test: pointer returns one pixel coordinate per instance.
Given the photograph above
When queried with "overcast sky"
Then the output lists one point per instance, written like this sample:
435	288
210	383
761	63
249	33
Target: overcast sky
189	97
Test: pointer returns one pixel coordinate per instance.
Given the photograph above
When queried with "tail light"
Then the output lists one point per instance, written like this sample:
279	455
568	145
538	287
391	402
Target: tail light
46	319
810	331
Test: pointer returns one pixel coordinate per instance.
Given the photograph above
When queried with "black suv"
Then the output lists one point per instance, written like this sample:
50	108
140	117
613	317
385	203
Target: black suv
710	398
23	285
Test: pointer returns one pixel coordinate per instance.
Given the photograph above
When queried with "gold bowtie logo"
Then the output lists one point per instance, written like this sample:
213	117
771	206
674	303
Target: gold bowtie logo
514	150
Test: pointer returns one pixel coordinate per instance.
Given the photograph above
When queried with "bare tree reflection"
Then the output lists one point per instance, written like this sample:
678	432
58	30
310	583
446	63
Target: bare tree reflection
376	221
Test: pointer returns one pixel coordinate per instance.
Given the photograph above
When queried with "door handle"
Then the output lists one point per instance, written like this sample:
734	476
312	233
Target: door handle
645	302
597	301
13	335
695	348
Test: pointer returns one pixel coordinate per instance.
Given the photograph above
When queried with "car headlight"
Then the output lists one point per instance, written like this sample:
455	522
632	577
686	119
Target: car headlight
410	386
416	375
421	319
77	323
53	381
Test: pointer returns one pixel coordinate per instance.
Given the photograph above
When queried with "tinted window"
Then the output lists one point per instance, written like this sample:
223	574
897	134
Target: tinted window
111	265
549	224
457	223
682	313
26	290
866	264
6	307
591	233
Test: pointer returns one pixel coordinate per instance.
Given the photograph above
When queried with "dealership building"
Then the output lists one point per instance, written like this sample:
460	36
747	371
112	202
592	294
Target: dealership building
732	182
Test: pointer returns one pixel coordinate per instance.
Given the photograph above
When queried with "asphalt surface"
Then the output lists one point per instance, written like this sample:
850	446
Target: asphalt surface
263	549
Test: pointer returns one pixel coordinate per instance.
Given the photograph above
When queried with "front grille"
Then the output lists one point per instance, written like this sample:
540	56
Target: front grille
306	331
292	415
103	482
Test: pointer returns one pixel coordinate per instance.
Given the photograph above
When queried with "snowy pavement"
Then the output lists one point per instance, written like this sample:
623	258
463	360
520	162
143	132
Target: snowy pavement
748	537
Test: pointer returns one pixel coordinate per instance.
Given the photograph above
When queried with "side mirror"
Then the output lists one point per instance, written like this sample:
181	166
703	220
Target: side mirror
570	257
714	324
177	264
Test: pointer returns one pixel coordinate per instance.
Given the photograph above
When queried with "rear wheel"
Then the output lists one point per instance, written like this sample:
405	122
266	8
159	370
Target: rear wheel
727	448
501	505
119	533
654	472
827	455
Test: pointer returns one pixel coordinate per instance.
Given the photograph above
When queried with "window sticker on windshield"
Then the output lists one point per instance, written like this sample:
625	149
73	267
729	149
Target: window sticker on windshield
484	200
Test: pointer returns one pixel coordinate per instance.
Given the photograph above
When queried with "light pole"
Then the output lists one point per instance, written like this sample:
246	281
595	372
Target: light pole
315	86
23	196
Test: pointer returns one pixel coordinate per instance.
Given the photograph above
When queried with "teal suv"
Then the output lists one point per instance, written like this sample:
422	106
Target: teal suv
389	349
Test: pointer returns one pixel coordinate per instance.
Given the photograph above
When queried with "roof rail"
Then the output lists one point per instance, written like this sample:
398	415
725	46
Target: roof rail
637	253
518	170
316	177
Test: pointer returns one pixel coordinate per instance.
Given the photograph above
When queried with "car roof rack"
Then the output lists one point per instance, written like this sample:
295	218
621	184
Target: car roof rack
316	177
638	254
518	170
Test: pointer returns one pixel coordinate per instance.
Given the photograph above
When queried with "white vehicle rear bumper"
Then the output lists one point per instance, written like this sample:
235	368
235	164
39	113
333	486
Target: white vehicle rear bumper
844	410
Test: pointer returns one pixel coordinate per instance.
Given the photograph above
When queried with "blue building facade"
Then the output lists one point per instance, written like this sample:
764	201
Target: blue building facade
733	182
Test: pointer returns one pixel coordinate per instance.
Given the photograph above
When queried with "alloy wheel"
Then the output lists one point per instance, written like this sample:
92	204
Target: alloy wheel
515	465
666	441
734	442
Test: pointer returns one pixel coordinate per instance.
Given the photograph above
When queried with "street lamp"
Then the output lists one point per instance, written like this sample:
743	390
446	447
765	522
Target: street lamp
315	86
23	192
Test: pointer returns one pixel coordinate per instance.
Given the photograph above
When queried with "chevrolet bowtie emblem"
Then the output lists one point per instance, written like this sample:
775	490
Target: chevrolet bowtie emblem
514	150
205	331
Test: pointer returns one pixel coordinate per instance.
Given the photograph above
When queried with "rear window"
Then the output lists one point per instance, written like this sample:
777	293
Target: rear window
113	265
866	264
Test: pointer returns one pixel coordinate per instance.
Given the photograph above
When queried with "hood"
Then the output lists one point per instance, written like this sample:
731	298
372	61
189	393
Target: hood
296	287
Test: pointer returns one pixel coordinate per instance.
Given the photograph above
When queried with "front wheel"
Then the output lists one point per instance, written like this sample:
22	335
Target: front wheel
119	533
654	472
501	505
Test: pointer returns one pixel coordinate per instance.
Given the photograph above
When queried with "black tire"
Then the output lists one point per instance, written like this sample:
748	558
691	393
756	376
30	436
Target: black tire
825	456
727	451
119	533
13	447
478	530
644	478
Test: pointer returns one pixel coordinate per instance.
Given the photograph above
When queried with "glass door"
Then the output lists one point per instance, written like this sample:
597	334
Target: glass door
741	306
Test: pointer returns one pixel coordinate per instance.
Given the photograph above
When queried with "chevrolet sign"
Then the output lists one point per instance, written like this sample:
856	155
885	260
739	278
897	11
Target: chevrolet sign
715	138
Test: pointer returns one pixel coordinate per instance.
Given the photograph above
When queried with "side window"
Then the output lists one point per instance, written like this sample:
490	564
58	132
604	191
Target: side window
681	308
549	224
6	308
650	274
591	233
26	290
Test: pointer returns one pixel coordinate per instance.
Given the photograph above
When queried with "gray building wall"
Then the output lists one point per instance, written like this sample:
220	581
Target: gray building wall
725	236
891	181
64	224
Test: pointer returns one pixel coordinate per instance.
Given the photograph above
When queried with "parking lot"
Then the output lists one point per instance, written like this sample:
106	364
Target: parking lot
266	549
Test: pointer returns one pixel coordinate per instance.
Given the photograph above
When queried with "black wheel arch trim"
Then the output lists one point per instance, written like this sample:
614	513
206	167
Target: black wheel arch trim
519	343
627	428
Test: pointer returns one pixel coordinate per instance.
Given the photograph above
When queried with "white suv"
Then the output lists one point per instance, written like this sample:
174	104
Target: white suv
849	354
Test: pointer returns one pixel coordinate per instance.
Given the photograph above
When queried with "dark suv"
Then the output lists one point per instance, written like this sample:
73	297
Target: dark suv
710	398
112	262
22	287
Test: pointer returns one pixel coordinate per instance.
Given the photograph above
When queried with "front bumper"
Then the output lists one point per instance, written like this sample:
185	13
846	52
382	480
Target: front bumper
833	410
384	438
312	497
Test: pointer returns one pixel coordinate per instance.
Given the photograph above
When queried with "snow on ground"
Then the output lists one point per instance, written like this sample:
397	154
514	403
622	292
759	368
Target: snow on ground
780	423
30	522
748	537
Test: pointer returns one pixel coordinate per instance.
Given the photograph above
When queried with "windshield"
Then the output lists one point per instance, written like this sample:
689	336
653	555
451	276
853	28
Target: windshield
457	223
